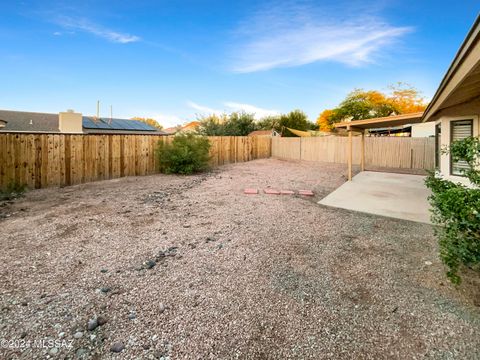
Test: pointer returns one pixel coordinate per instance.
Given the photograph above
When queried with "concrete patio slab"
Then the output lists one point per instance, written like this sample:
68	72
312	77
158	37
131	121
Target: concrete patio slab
399	196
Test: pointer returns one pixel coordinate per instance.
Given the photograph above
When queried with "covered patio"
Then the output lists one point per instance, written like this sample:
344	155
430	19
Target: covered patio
401	196
360	126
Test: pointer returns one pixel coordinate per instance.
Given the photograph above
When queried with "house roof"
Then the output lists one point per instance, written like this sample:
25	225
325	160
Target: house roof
171	130
382	122
261	133
192	124
189	126
29	121
23	121
461	81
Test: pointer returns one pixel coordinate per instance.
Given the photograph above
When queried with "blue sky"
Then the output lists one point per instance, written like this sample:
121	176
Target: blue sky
173	60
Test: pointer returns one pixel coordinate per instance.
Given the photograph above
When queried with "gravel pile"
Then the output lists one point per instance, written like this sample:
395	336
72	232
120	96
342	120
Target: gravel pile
172	267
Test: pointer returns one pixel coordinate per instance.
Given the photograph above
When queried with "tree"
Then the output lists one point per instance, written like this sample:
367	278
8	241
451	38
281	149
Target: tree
212	125
406	99
323	120
239	124
149	121
269	122
295	119
361	104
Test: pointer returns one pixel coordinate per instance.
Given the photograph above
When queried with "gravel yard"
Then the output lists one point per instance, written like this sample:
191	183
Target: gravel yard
191	268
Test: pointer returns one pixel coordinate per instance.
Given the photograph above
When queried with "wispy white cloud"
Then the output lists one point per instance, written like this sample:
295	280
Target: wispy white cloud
230	106
251	109
85	25
203	110
301	34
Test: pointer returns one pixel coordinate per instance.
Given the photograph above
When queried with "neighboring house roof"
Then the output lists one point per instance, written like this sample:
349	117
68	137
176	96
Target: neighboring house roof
23	121
460	83
171	130
191	125
187	127
261	133
29	121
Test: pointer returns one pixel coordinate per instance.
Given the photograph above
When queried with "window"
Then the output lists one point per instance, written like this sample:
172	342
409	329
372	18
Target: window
459	130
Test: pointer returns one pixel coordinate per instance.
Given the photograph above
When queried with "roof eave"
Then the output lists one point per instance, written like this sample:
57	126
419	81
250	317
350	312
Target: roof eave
464	50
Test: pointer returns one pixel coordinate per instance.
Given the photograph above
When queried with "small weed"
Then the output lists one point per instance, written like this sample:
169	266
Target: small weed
12	190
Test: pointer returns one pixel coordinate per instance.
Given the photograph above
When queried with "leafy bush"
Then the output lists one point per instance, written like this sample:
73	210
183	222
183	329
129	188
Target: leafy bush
12	191
242	123
186	154
456	208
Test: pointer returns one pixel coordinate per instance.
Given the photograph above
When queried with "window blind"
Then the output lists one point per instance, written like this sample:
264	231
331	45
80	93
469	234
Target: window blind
460	129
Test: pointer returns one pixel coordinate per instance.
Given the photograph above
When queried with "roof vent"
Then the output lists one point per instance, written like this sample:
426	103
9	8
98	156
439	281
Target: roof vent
70	110
31	122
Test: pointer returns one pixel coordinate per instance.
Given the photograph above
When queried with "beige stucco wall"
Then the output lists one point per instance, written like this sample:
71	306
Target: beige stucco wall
423	129
70	122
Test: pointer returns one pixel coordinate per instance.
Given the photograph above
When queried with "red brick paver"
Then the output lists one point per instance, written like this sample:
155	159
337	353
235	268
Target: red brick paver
250	191
271	192
305	192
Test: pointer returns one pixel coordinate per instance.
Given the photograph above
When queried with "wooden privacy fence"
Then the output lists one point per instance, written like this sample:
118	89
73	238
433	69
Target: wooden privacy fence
41	160
390	152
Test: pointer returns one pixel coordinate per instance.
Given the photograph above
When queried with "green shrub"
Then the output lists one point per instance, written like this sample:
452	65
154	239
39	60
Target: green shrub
456	208
186	154
12	191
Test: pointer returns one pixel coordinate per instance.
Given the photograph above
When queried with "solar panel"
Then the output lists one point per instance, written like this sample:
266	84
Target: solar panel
116	124
88	123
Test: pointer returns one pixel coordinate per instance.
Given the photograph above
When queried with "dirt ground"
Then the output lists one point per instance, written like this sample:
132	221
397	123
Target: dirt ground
191	268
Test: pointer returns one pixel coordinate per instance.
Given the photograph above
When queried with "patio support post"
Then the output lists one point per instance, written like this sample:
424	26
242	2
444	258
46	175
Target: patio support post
350	153
362	152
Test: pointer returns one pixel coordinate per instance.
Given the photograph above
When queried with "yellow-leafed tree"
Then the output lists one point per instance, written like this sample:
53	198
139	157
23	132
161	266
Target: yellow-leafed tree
149	121
323	120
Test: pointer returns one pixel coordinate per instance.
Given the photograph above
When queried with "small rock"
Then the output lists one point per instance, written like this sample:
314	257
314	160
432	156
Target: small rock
61	335
186	225
81	352
105	289
161	308
24	303
92	324
132	316
158	354
78	335
101	320
53	351
117	347
103	271
428	263
209	239
23	335
149	264
93	337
